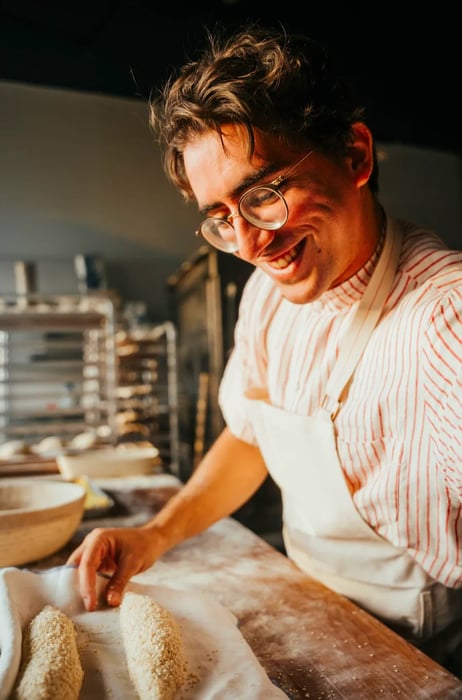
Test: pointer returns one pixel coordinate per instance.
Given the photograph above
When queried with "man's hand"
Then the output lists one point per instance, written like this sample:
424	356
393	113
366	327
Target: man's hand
118	552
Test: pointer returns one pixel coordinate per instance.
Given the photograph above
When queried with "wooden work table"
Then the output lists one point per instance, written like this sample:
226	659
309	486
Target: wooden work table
312	642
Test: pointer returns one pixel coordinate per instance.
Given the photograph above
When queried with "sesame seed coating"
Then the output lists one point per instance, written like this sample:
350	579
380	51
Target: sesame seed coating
50	664
153	647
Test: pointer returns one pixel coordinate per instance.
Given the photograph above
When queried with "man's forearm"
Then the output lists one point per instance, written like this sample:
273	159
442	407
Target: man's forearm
228	475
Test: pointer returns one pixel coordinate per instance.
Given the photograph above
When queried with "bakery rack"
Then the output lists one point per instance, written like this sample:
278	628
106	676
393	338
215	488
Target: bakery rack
58	372
147	390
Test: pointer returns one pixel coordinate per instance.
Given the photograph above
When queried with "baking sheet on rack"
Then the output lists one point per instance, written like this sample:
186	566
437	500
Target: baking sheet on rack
220	663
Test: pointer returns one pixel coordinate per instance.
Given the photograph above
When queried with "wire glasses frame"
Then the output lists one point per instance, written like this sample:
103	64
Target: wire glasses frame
263	206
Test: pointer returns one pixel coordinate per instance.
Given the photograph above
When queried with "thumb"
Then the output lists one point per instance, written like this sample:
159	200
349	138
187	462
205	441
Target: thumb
114	592
116	587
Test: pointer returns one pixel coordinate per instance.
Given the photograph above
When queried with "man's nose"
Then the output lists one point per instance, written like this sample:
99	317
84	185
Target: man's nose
251	240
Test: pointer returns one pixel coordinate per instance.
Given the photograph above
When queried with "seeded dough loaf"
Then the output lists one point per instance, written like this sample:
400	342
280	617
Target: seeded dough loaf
153	647
50	664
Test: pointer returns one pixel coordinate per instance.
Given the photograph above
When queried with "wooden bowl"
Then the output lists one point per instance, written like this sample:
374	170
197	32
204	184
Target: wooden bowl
37	517
108	462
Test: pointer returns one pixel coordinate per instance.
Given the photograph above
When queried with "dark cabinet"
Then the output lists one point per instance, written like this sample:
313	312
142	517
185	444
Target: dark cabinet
205	295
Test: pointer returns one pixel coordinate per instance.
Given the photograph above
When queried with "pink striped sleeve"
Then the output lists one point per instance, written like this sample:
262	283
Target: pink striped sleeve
444	387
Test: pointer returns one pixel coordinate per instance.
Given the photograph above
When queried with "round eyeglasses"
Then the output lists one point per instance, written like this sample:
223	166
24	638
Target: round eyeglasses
263	206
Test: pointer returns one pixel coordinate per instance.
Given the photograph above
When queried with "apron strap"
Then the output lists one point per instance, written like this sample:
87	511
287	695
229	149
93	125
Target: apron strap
364	320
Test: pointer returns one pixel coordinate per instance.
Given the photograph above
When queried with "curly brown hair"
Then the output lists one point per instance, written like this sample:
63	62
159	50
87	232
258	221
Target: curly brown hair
267	79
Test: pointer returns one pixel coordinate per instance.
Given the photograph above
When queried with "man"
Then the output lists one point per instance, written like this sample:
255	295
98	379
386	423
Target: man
345	382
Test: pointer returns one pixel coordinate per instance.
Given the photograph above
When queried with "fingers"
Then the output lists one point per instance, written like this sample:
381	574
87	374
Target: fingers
87	584
87	590
96	553
115	590
114	552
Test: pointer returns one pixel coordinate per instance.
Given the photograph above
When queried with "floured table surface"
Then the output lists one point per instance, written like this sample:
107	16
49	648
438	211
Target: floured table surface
312	642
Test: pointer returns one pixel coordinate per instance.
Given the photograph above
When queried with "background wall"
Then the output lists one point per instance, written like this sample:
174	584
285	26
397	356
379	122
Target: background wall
423	185
82	173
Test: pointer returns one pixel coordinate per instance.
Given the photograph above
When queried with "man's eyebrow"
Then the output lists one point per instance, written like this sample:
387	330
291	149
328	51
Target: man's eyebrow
263	172
254	178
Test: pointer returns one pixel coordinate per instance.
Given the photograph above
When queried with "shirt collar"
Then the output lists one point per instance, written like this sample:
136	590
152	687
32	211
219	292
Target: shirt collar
349	292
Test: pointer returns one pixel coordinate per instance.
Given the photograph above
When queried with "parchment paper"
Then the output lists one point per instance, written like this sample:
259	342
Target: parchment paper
220	663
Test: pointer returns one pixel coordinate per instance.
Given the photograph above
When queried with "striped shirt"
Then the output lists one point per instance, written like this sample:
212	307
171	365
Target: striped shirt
399	432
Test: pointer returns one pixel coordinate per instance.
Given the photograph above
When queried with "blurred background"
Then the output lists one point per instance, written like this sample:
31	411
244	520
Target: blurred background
404	62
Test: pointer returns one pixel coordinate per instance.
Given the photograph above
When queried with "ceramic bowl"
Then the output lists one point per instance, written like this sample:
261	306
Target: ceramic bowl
37	517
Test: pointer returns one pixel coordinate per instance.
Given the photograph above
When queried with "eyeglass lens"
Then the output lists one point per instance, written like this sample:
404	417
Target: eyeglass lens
263	207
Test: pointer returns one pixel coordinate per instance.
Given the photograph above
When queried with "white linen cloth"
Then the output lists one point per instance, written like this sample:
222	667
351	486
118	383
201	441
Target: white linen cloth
220	663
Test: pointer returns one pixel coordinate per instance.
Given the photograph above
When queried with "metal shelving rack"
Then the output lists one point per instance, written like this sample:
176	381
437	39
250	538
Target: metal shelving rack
147	391
58	372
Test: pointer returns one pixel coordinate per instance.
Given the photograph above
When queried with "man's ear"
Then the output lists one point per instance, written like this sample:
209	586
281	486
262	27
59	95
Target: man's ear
361	153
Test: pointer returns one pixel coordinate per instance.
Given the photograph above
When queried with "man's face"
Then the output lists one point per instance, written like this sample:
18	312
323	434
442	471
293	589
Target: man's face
329	232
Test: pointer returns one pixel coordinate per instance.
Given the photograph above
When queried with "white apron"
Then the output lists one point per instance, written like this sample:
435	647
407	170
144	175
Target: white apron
324	534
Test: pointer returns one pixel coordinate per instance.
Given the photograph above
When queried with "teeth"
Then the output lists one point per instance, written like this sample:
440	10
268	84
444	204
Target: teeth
286	259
